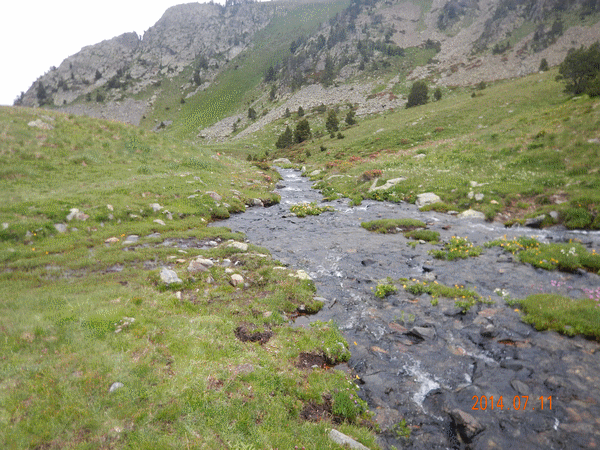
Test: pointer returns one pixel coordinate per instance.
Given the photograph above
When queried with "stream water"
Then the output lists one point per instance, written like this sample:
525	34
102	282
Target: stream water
481	380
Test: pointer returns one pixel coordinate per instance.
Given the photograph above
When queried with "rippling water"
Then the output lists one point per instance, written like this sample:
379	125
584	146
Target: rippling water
426	363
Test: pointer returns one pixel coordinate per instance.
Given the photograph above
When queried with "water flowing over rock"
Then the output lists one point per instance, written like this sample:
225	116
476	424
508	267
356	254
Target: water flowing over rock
426	363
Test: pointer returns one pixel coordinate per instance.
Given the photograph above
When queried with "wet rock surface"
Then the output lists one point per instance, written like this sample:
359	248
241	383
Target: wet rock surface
439	369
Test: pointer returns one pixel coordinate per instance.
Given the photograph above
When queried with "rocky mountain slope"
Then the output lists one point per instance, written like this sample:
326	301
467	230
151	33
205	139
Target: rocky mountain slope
447	42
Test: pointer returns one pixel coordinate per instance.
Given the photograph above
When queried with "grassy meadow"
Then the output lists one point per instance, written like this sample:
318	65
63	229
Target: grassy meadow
196	364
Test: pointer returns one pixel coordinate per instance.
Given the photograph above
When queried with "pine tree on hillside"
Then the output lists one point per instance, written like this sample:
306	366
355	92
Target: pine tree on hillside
418	94
286	139
350	120
332	122
302	132
581	69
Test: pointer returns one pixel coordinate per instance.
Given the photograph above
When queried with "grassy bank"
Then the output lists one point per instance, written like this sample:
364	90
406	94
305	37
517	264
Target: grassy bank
99	352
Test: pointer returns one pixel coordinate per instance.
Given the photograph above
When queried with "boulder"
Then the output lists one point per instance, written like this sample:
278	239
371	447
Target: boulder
216	197
60	227
239	245
282	161
237	280
427	198
77	215
169	276
388	184
467	426
343	440
155	207
471	214
535	222
39	123
131	239
199	265
301	274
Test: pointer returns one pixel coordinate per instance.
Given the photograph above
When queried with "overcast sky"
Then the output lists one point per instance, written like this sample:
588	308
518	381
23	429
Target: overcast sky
36	35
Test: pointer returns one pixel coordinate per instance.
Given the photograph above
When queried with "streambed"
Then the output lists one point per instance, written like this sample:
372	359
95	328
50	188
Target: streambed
431	364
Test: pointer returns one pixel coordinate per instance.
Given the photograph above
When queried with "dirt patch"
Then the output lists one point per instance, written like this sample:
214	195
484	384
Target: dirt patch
310	360
249	333
316	412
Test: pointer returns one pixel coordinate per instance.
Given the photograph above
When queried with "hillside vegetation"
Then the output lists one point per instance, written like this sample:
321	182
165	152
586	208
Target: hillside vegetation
524	144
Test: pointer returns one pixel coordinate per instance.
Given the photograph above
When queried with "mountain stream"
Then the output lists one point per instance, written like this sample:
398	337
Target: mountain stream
481	380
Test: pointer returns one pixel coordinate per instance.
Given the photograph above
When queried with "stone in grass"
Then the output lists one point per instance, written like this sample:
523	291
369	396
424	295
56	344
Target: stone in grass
60	227
155	207
200	265
301	274
131	239
388	184
427	198
169	276
111	240
214	195
342	439
77	215
237	280
115	386
239	245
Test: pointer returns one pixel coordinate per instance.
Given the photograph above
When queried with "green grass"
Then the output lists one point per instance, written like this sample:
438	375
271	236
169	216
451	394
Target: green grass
457	248
423	235
79	313
562	314
309	209
382	290
463	298
567	257
392	225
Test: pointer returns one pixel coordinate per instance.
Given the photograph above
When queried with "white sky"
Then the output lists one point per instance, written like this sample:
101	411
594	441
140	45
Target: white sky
38	34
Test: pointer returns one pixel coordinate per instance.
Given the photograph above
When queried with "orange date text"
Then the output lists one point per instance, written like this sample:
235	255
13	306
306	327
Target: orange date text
519	403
